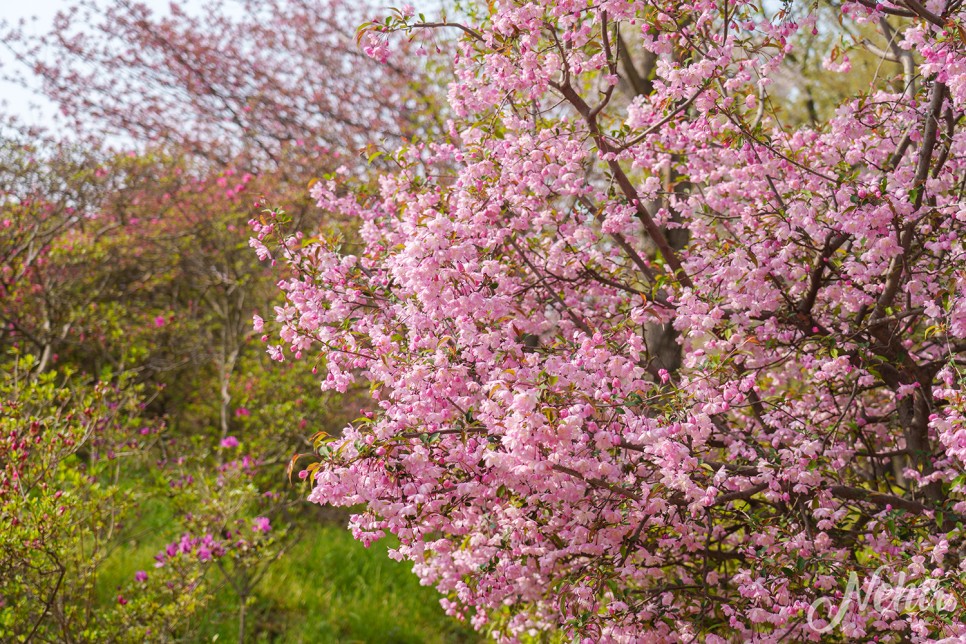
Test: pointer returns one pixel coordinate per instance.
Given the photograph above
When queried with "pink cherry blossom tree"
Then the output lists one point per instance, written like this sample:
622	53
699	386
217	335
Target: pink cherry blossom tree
260	84
646	362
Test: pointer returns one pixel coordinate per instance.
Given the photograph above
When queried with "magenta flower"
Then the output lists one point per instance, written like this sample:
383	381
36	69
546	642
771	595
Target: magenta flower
261	524
141	576
229	442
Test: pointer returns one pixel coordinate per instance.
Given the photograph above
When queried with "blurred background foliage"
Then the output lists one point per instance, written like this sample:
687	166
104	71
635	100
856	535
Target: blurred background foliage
146	435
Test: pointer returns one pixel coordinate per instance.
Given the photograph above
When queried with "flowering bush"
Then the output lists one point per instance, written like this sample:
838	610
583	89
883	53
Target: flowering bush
126	377
647	362
62	504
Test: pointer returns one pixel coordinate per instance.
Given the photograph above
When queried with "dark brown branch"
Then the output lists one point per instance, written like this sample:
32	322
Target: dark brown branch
872	4
597	483
741	495
925	13
848	493
928	146
653	230
640	83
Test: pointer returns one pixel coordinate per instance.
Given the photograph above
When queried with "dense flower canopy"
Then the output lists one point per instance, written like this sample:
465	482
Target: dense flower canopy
649	360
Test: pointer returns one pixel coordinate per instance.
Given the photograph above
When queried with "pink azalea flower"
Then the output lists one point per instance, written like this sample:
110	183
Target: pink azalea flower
261	524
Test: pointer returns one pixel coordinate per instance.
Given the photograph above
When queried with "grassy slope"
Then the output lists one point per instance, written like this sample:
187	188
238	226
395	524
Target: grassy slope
327	588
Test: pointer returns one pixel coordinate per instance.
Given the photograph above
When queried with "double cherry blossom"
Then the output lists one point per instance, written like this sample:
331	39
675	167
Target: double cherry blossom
647	362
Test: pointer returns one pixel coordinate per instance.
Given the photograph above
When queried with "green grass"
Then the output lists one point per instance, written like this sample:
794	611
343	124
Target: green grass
326	588
136	550
329	588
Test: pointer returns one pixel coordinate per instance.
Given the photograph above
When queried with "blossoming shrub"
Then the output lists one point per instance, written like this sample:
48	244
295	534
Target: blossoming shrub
62	446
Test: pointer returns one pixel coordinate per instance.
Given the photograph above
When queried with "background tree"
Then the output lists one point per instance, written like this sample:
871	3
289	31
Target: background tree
255	84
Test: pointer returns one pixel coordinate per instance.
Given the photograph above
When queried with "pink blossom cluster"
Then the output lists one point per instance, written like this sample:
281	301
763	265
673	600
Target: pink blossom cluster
208	547
648	363
203	548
